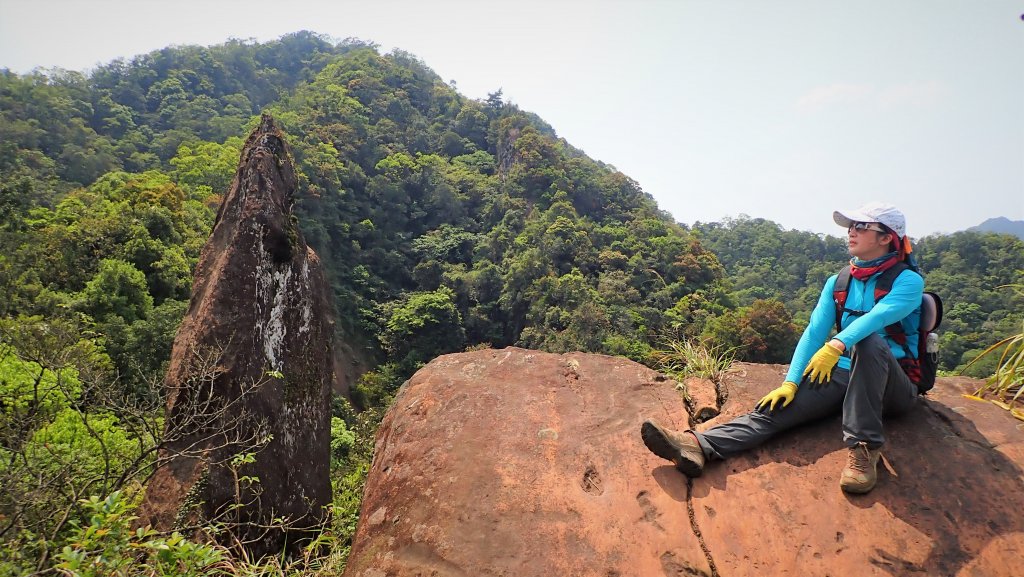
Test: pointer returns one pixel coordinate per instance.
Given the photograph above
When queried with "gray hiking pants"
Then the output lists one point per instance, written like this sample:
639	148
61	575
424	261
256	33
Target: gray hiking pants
874	386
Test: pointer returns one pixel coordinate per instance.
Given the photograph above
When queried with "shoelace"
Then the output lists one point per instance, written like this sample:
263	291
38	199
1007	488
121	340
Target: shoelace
859	458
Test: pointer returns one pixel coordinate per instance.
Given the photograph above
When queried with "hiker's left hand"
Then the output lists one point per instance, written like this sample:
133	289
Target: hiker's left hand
819	370
785	393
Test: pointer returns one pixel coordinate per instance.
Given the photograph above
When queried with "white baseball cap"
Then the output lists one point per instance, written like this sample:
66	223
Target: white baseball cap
886	214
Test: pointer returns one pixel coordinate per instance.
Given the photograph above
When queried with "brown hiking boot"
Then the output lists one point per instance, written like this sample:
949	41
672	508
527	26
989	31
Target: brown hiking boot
859	476
680	447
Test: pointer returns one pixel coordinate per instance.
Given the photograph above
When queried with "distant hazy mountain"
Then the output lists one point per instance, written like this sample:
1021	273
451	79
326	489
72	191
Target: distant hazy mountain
1003	225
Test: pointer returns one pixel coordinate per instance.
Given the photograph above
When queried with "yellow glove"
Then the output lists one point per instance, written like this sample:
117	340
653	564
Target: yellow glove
821	365
785	393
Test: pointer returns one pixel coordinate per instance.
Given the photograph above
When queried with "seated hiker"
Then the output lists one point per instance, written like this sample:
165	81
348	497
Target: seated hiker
856	373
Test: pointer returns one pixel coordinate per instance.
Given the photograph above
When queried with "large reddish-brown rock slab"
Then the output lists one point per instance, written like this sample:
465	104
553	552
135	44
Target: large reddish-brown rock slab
516	463
521	463
949	499
981	422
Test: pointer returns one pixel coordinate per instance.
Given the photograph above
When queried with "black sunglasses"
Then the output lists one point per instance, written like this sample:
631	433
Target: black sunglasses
862	226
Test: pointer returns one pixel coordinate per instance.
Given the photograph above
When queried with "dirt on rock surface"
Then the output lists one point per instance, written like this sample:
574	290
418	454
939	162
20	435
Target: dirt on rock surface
520	463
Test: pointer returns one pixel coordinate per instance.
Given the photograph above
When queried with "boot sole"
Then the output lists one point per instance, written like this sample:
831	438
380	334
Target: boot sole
857	490
663	447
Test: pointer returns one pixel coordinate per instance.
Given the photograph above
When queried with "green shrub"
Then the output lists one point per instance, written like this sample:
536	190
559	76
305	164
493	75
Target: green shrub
106	546
342	439
632	349
30	391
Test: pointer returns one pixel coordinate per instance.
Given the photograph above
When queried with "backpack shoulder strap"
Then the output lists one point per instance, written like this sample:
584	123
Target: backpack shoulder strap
883	284
842	280
840	291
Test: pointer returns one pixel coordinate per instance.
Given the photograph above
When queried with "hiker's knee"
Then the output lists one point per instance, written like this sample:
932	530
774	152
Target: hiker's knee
870	346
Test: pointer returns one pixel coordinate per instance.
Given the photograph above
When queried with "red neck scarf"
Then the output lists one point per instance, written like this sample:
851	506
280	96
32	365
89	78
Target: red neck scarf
864	272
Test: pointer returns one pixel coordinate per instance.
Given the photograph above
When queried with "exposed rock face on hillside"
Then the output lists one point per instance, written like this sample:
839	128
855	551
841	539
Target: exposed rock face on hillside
520	463
251	366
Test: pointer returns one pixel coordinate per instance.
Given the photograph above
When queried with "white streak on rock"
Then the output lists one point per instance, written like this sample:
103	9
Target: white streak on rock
271	288
306	303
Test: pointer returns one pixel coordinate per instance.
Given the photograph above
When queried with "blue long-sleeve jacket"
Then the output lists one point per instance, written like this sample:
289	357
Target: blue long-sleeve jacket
903	303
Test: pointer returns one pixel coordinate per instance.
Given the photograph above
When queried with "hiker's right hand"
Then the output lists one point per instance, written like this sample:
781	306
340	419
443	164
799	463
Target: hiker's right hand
785	393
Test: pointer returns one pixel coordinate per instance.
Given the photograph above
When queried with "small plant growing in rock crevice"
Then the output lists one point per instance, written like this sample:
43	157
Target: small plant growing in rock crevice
692	358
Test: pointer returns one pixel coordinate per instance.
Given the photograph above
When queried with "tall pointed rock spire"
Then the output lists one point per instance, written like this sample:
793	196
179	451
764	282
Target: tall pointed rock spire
247	438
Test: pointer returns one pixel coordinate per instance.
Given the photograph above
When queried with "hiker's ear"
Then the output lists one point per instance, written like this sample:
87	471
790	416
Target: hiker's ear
894	241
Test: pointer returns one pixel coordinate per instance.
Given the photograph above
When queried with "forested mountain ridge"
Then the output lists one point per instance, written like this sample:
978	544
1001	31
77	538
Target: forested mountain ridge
423	203
479	206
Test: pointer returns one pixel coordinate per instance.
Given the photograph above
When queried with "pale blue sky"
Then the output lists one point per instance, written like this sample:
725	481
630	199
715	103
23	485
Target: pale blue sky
779	109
